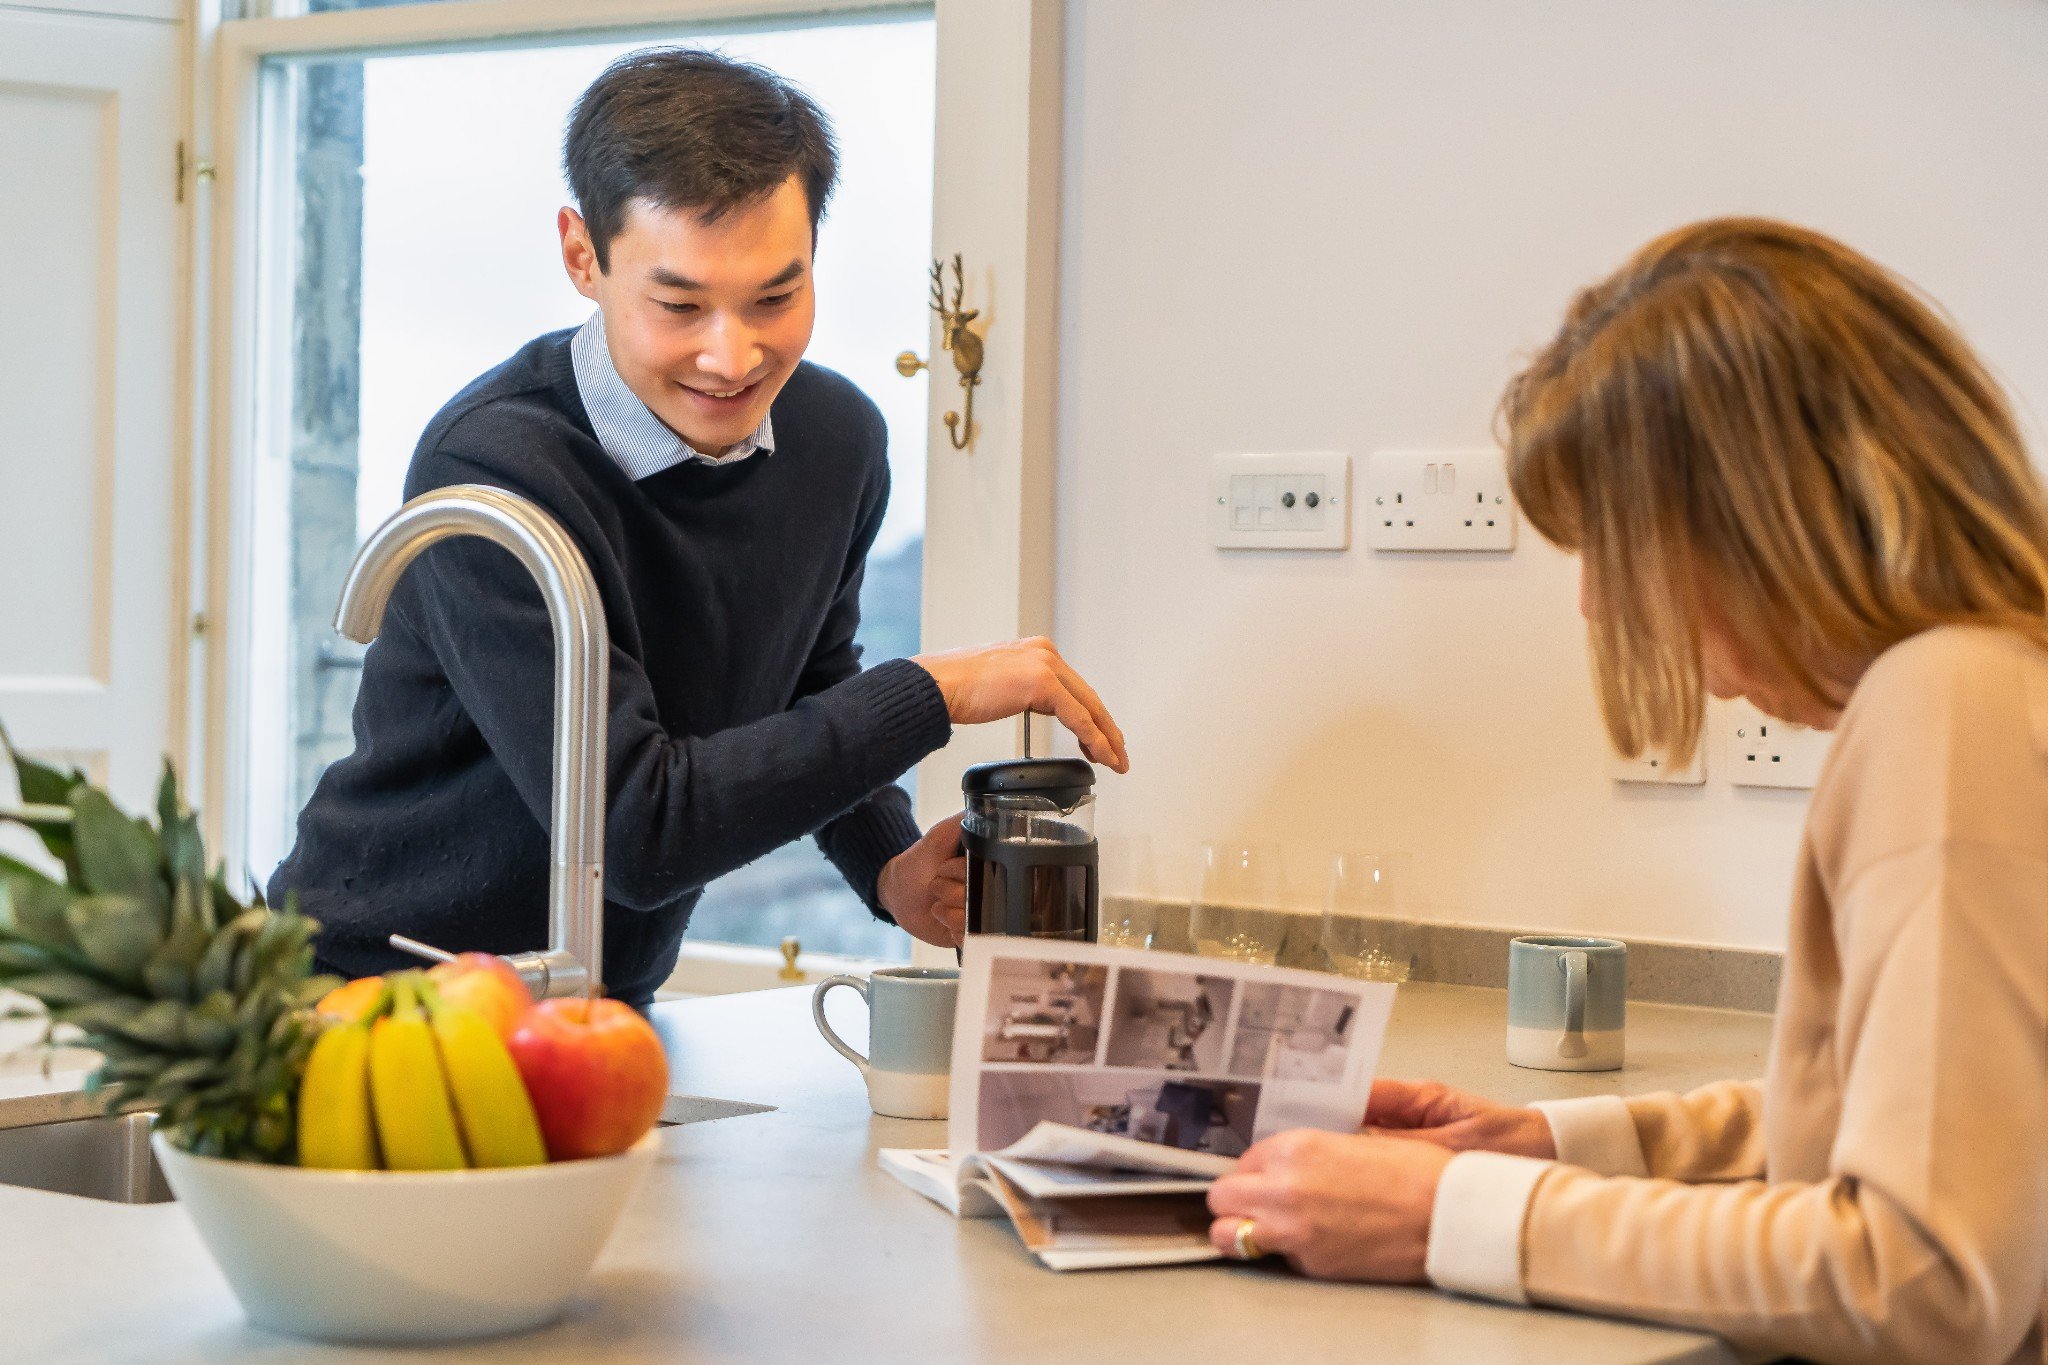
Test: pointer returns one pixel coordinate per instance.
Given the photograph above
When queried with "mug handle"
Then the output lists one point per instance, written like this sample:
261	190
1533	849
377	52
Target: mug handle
818	1013
1573	1043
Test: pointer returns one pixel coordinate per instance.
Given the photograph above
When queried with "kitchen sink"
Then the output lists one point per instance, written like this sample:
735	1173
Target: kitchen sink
110	1159
96	1158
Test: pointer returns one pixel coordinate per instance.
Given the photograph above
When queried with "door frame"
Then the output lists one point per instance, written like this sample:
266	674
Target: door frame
989	510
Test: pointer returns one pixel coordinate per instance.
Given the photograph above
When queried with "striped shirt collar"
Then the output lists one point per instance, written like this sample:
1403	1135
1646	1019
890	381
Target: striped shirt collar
639	442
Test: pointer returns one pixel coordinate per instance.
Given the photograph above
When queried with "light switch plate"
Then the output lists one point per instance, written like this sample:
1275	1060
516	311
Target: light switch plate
1437	500
1280	502
1764	751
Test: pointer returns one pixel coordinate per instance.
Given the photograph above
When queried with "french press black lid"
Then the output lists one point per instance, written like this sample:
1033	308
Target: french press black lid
1061	781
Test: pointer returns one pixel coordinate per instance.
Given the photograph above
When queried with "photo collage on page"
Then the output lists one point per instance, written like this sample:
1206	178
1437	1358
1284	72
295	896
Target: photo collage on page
1171	1056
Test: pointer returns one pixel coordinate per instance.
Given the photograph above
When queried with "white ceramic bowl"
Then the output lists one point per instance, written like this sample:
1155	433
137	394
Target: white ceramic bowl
404	1256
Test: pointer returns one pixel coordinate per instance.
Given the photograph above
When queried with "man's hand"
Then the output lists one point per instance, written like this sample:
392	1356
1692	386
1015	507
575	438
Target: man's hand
925	886
1337	1207
996	682
1451	1118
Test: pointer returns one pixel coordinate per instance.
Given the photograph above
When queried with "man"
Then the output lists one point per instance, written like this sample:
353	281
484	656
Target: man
725	495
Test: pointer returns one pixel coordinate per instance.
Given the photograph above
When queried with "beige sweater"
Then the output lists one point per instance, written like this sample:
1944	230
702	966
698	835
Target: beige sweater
1882	1195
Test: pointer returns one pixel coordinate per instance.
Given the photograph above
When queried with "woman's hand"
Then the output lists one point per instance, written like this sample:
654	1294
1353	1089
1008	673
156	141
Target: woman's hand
1337	1206
1451	1118
925	886
996	682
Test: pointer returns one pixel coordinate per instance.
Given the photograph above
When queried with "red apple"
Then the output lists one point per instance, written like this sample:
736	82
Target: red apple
595	1072
487	984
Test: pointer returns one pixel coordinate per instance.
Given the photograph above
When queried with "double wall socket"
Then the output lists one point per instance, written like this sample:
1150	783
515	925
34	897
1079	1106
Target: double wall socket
1280	502
1764	751
1758	751
1438	500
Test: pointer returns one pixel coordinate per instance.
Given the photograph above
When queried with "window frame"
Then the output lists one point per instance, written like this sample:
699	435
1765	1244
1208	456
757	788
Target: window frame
995	199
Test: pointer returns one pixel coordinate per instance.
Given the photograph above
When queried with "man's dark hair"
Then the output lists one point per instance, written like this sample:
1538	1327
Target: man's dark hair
683	128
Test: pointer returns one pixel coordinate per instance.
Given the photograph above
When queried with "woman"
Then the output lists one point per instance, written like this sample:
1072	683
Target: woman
1787	479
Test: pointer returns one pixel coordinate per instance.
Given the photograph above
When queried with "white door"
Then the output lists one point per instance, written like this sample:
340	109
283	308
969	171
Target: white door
89	224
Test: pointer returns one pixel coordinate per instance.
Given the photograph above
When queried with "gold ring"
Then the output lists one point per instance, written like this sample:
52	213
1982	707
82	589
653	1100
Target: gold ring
1247	1249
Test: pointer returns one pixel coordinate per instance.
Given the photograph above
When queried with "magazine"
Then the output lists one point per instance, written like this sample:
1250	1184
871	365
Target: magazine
1097	1092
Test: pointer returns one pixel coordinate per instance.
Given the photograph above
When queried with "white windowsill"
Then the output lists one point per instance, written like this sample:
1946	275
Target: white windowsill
728	968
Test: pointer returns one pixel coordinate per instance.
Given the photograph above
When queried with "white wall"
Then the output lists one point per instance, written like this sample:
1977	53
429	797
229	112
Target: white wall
1338	223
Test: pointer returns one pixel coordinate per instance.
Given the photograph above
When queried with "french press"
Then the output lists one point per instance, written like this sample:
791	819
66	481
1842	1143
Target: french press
1029	836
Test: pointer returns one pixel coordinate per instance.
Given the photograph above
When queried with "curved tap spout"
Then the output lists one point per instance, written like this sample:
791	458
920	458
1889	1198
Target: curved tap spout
573	964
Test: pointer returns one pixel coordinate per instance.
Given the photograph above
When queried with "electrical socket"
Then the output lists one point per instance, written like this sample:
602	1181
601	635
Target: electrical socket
1438	500
1764	751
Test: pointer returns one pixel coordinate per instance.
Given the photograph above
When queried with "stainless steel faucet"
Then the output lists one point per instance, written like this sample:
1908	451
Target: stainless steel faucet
574	961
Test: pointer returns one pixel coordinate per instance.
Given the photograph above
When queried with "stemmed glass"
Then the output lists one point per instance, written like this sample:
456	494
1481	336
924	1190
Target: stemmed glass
1364	935
1129	893
1233	915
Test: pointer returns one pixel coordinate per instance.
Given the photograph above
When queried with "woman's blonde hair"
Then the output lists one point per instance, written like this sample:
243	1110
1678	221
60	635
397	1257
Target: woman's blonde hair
1753	413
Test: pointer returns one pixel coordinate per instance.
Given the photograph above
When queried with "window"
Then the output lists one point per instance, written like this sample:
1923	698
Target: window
410	246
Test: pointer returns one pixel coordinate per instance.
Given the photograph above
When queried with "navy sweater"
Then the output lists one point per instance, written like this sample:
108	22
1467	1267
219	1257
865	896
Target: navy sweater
739	716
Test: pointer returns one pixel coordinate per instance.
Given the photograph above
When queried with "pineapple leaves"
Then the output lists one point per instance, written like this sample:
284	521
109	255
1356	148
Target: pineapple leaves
118	934
117	855
99	1016
216	970
14	867
63	990
199	1003
184	851
19	958
160	1025
211	1026
32	911
43	785
170	971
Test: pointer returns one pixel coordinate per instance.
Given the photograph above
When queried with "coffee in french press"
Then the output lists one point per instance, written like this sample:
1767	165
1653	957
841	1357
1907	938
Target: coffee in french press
1029	836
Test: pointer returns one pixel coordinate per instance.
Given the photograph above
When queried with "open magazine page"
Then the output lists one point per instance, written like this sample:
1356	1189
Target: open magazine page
1057	1180
1196	1058
1111	1153
1106	1233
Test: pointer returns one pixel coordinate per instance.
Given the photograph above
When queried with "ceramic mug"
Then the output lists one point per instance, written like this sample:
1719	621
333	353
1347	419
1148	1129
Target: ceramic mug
910	1037
1567	1006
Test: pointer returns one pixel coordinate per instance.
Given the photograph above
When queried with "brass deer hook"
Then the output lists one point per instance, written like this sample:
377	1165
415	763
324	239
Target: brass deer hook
954	336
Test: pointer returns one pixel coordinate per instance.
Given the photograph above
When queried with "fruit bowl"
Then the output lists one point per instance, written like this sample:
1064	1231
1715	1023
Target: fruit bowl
404	1256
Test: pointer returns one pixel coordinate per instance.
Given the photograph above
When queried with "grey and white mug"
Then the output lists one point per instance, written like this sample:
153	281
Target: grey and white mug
910	1037
1567	1002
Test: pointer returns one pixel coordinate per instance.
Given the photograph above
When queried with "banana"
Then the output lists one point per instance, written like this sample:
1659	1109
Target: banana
415	1120
498	1122
336	1132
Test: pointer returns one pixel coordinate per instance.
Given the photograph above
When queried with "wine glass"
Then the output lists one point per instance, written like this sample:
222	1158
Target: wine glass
1129	900
1232	915
1364	935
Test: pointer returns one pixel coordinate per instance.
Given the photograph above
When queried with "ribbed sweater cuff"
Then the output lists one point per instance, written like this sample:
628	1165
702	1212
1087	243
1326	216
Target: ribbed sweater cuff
902	719
906	712
861	843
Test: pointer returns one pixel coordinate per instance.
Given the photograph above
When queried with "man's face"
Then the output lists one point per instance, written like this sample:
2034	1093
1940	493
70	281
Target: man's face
706	321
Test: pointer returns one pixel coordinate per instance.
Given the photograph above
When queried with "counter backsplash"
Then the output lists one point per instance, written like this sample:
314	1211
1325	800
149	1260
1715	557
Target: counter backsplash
1477	955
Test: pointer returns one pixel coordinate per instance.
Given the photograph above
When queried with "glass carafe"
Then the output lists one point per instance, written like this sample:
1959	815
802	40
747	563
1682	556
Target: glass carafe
1029	836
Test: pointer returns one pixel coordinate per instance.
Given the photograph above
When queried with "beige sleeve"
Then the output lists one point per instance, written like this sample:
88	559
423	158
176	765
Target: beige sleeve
1713	1133
1925	1238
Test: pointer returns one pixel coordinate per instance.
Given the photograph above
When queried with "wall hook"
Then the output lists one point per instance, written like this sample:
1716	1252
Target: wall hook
954	336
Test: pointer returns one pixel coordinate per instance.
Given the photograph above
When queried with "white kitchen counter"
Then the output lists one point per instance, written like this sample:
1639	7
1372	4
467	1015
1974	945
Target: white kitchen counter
774	1237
